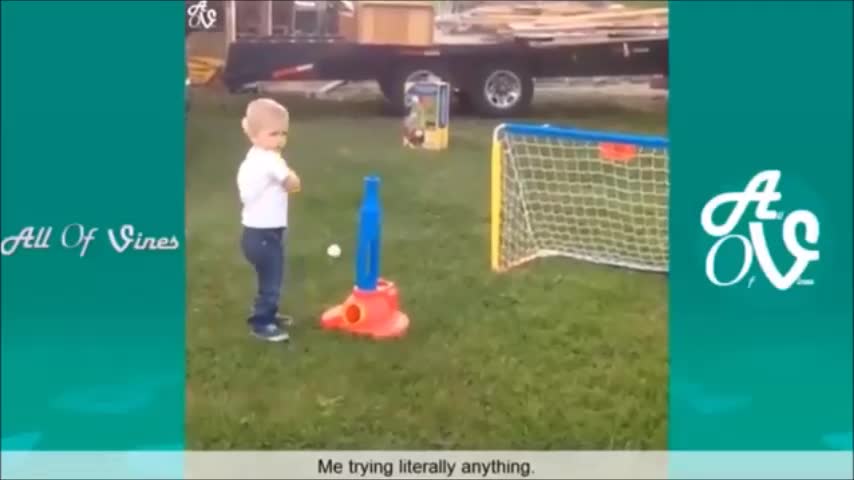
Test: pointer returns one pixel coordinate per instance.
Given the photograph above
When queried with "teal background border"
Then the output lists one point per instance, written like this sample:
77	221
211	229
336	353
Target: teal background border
755	86
93	133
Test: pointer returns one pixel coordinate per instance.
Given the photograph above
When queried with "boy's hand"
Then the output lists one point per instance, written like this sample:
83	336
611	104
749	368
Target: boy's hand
292	183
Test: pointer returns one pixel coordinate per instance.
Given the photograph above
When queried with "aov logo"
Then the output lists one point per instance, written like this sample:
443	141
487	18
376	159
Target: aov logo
755	245
200	17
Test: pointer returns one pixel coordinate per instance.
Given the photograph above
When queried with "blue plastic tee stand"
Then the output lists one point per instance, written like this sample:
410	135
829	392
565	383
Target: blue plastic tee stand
370	231
373	307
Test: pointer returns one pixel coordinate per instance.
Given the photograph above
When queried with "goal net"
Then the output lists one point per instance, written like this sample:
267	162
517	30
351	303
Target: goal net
593	196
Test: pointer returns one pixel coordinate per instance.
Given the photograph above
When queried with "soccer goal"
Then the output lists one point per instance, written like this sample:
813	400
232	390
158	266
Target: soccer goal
592	196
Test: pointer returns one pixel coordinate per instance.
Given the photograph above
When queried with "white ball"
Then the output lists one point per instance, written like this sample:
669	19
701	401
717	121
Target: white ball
333	250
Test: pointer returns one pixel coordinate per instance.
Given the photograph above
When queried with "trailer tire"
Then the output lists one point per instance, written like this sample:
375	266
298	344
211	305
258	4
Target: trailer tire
386	88
502	90
393	84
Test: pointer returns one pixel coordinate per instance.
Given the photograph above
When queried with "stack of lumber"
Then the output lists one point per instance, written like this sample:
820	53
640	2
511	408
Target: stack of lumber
556	19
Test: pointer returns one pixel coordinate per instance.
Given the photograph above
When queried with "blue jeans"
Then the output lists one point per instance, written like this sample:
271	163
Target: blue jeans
264	248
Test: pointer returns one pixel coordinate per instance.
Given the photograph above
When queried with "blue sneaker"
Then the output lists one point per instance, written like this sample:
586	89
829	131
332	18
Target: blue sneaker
270	332
281	319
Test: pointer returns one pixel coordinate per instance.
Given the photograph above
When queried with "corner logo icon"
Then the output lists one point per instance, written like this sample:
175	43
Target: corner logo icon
200	17
755	245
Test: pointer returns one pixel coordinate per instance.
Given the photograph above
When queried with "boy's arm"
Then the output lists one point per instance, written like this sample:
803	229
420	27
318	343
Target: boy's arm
288	178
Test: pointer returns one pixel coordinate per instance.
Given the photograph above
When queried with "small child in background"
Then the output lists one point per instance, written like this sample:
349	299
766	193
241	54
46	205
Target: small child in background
264	181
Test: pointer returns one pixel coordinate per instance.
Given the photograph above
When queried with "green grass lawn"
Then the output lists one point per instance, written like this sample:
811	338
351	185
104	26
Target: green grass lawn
553	355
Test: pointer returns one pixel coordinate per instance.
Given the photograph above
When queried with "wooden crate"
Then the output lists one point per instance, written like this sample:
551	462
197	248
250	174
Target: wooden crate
347	26
409	23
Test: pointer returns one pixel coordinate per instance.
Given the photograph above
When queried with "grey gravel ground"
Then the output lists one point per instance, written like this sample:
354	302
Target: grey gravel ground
635	92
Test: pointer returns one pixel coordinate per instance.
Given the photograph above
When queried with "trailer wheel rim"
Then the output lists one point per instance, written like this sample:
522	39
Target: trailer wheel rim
502	89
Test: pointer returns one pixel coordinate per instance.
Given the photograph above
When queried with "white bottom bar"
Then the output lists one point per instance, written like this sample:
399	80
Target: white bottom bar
427	464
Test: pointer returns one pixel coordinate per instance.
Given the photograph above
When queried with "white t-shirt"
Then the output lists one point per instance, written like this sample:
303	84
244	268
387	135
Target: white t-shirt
259	181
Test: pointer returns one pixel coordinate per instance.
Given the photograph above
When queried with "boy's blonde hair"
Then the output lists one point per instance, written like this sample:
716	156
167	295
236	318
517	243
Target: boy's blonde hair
265	113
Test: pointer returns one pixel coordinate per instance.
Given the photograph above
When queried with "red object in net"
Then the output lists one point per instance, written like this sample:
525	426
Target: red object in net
618	152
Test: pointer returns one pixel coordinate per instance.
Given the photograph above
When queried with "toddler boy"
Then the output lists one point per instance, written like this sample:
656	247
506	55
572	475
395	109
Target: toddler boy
264	181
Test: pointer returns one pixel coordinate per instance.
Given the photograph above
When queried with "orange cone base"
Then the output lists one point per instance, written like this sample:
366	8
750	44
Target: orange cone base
373	313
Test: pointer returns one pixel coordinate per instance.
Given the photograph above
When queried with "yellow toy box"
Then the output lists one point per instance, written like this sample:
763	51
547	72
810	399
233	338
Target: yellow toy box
426	124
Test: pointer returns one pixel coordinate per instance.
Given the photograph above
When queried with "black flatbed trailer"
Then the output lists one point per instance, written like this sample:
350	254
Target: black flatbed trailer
496	79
